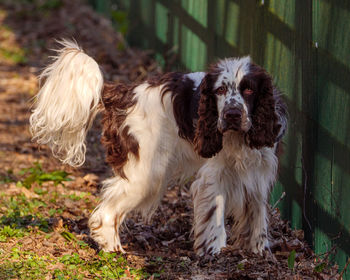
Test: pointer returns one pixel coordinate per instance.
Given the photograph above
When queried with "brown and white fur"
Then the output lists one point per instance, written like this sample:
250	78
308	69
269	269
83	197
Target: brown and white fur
223	126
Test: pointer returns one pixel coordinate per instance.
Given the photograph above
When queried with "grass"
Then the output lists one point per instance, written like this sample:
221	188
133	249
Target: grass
7	178
28	218
11	53
36	174
22	264
80	196
16	55
21	217
104	266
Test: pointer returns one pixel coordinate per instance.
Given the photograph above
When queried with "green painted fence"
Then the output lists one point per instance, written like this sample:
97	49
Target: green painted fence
305	45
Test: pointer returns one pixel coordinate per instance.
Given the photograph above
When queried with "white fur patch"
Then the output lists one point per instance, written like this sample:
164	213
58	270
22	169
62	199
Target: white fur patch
196	77
232	70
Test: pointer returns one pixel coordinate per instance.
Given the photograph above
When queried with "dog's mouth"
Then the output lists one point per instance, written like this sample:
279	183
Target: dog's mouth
235	119
225	126
241	126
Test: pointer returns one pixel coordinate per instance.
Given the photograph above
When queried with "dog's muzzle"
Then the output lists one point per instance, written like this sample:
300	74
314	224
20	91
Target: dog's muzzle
231	119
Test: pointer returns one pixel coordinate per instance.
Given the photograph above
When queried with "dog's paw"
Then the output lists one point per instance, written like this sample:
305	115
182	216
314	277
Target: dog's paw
107	239
105	235
211	245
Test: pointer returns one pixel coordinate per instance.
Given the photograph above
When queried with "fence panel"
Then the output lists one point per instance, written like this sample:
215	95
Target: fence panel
331	192
305	45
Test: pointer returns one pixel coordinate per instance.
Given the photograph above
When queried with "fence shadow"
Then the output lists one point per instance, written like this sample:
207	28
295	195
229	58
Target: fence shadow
299	48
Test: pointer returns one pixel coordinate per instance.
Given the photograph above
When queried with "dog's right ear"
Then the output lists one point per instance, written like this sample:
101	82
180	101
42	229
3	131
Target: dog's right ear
207	140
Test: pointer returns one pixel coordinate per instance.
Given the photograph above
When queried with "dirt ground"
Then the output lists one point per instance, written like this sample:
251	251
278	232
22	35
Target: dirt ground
44	205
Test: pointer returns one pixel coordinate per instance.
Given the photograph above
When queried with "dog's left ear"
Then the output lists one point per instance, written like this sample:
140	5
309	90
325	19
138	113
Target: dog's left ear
265	126
207	140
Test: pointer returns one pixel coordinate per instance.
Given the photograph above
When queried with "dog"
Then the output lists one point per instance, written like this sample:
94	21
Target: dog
222	126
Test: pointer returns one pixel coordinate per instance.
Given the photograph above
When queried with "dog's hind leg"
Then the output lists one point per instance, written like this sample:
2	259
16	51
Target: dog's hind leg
119	197
108	215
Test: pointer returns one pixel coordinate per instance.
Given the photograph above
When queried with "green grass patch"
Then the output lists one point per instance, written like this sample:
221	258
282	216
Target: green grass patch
36	174
7	178
40	191
104	266
52	212
79	196
19	264
19	221
21	217
291	260
16	55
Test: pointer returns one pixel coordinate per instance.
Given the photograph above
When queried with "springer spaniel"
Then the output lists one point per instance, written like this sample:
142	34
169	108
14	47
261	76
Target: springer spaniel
223	126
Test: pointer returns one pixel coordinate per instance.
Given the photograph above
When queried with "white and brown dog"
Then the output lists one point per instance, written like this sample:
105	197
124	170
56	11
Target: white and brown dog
223	125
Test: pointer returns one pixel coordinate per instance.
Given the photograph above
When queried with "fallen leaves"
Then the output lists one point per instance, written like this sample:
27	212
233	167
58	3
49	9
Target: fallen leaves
12	190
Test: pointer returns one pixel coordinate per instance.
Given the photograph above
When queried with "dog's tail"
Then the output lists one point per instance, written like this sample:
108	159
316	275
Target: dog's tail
67	103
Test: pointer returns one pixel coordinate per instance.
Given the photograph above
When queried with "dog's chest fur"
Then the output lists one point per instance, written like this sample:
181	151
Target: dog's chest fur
241	158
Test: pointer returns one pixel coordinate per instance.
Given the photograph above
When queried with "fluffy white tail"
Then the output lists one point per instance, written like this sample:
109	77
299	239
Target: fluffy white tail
67	103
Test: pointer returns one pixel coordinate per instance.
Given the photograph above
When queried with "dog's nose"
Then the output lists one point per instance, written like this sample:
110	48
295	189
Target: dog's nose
233	115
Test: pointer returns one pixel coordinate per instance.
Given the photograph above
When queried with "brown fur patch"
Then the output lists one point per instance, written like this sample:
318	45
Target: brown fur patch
209	214
119	143
181	89
200	245
98	227
265	126
206	137
199	233
208	140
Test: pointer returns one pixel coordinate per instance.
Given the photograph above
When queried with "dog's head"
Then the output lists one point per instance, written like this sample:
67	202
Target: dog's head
236	94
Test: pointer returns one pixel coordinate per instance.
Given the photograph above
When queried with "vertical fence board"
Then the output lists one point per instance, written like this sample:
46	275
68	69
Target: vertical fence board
281	60
331	21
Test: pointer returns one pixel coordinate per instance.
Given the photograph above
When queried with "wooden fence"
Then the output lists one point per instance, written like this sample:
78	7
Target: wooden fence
305	45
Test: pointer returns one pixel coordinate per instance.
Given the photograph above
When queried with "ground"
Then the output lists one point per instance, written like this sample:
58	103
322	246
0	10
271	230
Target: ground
44	205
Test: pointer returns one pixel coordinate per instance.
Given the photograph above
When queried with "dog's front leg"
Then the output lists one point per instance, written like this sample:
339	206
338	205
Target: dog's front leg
209	212
249	230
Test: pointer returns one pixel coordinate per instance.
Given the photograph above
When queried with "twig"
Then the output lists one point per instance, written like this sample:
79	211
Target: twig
325	255
344	269
279	200
305	187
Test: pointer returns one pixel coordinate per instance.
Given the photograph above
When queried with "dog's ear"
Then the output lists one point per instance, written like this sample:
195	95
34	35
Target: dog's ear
265	126
207	140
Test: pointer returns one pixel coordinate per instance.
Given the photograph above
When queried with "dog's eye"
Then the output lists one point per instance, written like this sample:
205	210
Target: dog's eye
222	90
247	91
